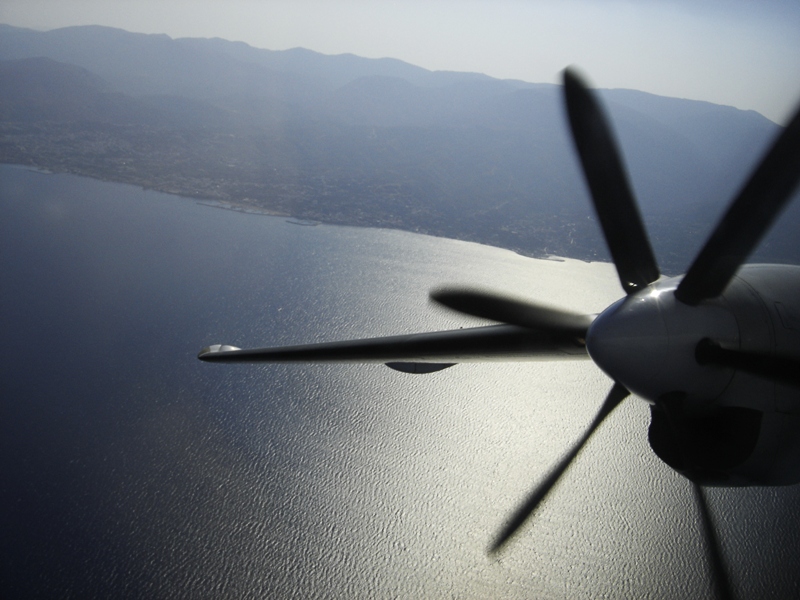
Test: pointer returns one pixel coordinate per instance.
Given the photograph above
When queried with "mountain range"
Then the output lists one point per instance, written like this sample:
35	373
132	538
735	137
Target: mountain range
373	142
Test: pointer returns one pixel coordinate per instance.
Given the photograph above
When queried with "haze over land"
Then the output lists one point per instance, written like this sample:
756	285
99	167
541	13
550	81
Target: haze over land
356	141
733	52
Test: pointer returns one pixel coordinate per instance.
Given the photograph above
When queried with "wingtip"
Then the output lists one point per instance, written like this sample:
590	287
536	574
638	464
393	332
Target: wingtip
209	352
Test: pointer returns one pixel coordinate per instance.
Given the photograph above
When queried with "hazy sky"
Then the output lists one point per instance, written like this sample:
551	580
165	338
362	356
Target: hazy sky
745	53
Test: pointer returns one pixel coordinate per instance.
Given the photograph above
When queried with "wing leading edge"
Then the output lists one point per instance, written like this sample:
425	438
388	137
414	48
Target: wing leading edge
441	348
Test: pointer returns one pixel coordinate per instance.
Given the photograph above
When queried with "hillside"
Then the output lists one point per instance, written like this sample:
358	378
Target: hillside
350	140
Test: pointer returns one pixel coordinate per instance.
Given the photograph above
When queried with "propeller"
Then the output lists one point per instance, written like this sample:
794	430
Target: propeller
637	268
749	216
611	193
617	394
720	576
715	559
504	309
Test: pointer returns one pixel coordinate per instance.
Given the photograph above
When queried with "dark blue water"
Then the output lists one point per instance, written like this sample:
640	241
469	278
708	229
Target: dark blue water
130	469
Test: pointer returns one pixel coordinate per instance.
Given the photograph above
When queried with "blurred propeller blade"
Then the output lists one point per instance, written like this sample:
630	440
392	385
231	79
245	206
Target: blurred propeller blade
504	309
605	175
747	220
720	577
617	394
781	369
718	573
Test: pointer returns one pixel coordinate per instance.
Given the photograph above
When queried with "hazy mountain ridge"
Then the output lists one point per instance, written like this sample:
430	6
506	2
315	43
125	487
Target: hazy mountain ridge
351	140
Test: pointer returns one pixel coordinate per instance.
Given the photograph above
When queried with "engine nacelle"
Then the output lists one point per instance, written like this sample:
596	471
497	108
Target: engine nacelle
716	425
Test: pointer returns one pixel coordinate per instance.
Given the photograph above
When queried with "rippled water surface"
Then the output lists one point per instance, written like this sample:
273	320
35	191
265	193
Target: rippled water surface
131	469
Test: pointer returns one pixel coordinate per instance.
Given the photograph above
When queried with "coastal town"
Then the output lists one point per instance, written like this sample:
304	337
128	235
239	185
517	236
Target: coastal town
216	167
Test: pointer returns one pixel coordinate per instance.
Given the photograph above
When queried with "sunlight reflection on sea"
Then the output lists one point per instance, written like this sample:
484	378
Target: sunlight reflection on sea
133	469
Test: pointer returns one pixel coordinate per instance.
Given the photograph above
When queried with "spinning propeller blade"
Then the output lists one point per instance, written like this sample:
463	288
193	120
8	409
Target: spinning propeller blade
747	220
617	394
504	309
720	576
611	193
710	538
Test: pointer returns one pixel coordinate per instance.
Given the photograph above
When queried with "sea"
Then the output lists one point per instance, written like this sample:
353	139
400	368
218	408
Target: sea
130	469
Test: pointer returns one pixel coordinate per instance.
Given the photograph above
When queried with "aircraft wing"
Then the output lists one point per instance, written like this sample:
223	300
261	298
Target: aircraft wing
420	352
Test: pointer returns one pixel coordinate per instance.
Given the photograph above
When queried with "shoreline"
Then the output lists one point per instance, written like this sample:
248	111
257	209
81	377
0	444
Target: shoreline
244	207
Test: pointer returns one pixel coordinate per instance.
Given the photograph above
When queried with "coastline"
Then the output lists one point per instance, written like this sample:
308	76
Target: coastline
251	206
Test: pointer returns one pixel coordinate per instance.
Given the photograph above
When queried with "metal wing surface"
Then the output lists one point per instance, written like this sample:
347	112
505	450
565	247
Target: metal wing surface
478	344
